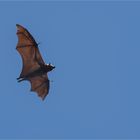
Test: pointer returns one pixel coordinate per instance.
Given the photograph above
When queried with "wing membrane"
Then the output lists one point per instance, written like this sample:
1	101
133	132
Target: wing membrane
40	84
29	51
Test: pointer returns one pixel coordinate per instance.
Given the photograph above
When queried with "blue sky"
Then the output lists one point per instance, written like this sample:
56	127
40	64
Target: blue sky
95	92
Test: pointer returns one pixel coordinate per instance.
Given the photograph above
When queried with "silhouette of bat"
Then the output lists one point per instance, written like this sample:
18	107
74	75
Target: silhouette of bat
34	68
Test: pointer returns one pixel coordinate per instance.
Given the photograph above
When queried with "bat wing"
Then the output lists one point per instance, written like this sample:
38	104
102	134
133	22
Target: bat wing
28	49
40	84
32	60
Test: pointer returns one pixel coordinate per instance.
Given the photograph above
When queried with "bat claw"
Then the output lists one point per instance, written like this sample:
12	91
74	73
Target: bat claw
20	79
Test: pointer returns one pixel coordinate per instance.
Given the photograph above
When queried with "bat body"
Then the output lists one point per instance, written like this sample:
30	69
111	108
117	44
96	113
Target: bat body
34	68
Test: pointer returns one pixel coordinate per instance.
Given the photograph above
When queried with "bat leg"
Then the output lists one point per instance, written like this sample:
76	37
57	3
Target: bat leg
20	79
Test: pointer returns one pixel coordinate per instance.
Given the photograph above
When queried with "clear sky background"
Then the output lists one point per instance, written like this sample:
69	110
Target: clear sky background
95	92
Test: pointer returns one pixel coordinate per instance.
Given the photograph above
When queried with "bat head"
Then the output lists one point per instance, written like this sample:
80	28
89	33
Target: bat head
50	67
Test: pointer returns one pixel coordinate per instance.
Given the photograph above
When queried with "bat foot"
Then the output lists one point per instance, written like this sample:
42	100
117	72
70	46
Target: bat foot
20	79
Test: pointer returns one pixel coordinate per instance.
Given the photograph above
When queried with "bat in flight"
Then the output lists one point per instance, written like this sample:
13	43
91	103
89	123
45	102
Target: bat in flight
34	68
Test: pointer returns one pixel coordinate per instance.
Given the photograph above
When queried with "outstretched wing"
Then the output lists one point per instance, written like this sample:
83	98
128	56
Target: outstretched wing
40	84
31	57
28	49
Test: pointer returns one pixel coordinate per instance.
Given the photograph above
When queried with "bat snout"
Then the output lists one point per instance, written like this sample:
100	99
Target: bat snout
50	67
53	67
